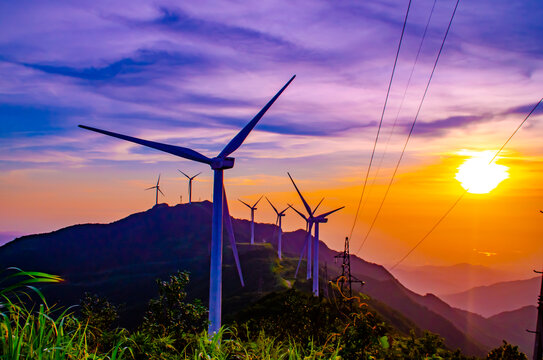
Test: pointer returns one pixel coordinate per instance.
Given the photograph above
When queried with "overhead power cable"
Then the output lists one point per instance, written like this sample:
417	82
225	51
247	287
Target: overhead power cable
464	193
381	120
412	127
379	166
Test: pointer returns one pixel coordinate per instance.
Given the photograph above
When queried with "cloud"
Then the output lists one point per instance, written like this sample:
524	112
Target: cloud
525	109
143	60
441	126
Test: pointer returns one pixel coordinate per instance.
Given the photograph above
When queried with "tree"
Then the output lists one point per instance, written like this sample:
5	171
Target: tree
100	317
170	314
506	352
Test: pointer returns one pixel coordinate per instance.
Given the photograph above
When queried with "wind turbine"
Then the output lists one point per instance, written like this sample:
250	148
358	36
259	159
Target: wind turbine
280	215
218	164
316	220
307	244
190	184
157	187
253	208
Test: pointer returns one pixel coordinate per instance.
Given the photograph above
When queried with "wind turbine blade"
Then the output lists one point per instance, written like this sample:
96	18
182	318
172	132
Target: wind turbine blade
299	213
195	175
152	187
244	203
319	204
158	181
230	229
184	174
160	191
175	150
236	142
256	203
330	212
277	212
301	256
282	212
307	208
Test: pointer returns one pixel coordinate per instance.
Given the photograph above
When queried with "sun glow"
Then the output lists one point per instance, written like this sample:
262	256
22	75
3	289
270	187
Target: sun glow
478	175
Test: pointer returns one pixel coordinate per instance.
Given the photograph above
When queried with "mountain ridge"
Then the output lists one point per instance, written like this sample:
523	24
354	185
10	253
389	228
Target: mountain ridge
125	256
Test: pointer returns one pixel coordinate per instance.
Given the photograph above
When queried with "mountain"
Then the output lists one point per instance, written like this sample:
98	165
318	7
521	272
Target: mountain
496	298
121	261
448	279
517	322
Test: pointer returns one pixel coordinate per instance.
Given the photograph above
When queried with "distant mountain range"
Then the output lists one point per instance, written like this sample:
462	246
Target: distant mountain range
452	279
506	296
121	260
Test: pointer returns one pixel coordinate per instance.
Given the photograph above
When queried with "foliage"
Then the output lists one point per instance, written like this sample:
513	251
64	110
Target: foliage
506	352
42	334
100	317
26	333
170	321
16	282
364	334
292	315
303	327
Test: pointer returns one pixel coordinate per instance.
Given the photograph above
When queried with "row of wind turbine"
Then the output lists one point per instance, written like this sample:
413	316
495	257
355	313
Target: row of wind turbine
220	206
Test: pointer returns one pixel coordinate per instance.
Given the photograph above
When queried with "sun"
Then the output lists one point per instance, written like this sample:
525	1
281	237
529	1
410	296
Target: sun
478	175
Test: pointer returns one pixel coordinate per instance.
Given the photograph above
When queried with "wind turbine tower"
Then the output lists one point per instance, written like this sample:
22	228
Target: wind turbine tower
157	187
280	215
190	184
253	208
220	207
320	219
307	244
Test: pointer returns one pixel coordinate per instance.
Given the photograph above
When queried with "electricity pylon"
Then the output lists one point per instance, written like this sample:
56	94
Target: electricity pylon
346	279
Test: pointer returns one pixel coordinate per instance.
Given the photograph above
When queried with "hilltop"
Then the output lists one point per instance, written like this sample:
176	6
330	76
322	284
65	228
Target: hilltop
121	261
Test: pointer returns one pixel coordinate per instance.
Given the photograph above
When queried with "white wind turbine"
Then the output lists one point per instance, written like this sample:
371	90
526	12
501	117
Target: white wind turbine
280	215
157	187
316	220
307	244
190	184
253	208
218	164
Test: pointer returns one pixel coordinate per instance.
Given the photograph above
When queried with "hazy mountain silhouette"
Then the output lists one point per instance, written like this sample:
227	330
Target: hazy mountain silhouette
506	296
441	280
121	260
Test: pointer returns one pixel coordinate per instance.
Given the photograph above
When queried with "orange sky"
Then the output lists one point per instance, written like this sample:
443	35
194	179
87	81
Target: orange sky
500	229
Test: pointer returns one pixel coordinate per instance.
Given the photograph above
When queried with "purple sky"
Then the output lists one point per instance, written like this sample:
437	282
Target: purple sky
193	73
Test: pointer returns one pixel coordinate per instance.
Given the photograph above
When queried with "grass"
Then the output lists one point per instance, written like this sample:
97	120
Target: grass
44	333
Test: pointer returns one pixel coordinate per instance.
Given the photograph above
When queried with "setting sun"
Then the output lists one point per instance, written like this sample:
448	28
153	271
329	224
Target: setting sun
480	174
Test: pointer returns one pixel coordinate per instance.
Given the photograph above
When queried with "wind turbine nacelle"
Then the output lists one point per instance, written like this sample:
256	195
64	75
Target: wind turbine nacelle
321	220
222	163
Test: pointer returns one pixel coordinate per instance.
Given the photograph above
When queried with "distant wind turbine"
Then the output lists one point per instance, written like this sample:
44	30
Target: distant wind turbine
218	164
190	184
253	208
280	215
316	220
307	244
157	187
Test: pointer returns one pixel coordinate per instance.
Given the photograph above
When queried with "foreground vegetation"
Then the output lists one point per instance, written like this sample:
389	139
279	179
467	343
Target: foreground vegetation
303	327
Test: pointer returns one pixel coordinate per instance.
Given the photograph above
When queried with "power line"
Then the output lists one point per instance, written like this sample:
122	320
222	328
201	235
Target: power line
464	193
412	126
405	92
381	121
398	114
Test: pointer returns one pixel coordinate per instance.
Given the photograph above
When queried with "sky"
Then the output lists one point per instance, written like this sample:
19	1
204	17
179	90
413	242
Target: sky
193	73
